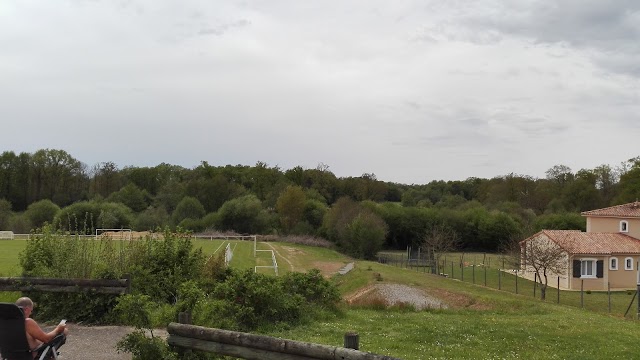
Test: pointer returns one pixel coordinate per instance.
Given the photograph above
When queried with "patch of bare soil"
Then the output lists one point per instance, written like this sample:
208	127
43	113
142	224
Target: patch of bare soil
327	268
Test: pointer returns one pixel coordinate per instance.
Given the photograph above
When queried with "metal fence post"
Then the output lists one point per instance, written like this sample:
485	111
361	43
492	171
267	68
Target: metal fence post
582	294
516	281
499	279
558	289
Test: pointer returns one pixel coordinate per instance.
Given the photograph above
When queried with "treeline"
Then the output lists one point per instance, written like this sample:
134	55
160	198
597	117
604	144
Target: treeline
360	214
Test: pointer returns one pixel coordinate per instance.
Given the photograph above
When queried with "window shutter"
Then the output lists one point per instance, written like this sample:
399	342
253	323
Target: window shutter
600	268
576	268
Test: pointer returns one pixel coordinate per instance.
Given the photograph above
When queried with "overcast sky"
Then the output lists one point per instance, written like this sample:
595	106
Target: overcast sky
412	91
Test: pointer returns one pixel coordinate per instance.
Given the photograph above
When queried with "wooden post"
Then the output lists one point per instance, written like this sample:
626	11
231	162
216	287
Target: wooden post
609	295
516	281
352	341
485	275
473	271
184	317
558	289
638	293
535	283
128	278
453	277
499	279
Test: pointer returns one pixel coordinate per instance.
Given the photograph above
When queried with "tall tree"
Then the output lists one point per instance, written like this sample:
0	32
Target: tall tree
290	207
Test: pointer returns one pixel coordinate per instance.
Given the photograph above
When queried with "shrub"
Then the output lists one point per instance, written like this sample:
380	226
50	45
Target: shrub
188	208
41	212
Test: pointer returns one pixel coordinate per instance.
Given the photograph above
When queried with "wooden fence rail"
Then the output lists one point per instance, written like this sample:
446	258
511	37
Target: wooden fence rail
103	286
258	347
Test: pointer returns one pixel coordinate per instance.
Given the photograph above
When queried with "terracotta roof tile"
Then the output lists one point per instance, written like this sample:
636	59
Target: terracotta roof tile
578	242
624	210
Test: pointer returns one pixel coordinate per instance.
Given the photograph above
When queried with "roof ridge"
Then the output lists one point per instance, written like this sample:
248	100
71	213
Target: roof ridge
633	204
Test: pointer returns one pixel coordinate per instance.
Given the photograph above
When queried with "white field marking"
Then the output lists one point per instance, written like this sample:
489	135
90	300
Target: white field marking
285	259
224	242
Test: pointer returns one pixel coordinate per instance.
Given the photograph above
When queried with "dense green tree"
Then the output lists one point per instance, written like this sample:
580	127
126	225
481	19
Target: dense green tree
57	176
114	216
355	229
290	207
365	235
80	217
561	221
151	219
629	186
244	215
313	213
106	179
5	214
41	212
188	208
131	196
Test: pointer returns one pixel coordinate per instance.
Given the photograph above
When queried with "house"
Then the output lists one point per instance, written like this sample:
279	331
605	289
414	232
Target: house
606	255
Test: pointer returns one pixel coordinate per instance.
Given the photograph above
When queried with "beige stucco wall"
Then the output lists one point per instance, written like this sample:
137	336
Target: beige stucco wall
618	279
622	278
612	225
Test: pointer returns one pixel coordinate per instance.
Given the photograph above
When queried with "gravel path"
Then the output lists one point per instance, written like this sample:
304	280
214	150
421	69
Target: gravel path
396	294
96	342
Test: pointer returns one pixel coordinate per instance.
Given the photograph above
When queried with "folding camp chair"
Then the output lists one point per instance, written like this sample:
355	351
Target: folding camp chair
13	337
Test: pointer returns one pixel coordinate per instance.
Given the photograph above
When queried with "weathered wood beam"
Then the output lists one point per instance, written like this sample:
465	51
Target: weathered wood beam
103	286
231	350
271	344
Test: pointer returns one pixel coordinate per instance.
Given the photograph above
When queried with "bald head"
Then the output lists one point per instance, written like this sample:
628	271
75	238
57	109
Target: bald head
24	302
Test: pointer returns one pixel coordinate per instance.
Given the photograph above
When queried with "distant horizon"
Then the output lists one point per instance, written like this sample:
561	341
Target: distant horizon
283	169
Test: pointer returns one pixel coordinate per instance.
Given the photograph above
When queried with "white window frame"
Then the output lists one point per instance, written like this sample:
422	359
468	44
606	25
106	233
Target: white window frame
627	261
611	263
624	226
583	274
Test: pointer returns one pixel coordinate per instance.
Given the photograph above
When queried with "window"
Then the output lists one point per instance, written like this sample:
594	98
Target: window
613	263
624	226
588	268
628	263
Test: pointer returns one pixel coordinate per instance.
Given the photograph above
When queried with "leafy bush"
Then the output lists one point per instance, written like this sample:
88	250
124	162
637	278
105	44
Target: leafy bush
41	212
188	208
151	218
159	267
244	214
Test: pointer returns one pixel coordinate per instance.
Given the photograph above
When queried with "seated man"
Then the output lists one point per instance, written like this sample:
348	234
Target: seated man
35	336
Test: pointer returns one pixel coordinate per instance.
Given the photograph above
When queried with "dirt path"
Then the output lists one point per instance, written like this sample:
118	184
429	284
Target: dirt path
96	342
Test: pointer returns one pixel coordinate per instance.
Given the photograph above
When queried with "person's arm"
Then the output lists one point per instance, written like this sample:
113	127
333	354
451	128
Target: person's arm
36	332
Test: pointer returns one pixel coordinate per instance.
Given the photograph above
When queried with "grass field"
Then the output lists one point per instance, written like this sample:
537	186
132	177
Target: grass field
483	323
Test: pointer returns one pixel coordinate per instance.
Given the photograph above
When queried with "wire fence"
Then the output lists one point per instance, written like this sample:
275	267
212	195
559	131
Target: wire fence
494	271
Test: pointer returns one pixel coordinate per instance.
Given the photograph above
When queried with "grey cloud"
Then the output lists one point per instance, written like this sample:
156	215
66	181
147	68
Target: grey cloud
221	29
612	28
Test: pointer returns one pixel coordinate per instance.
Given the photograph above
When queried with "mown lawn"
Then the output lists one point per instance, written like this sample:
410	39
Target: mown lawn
9	257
